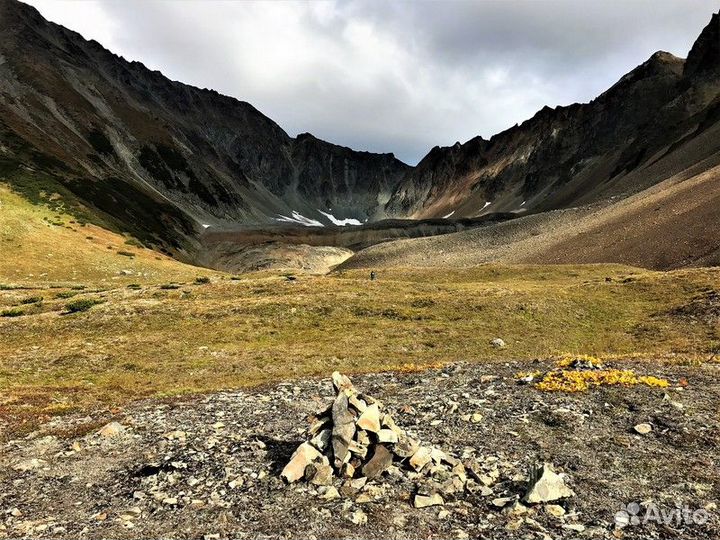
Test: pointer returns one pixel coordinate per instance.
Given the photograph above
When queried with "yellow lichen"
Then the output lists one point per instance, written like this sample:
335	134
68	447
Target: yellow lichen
563	380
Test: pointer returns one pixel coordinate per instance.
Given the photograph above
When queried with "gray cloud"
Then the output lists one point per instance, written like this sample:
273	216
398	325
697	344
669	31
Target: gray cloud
392	76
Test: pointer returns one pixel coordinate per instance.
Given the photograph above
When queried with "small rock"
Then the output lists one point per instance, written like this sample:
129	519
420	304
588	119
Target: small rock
421	501
328	492
476	418
15	512
555	510
643	429
359	517
501	502
545	485
29	465
576	527
323	475
387	436
113	429
498	343
422	457
370	419
170	500
381	460
303	456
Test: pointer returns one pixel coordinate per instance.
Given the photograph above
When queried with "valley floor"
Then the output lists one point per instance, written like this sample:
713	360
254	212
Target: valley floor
74	346
209	465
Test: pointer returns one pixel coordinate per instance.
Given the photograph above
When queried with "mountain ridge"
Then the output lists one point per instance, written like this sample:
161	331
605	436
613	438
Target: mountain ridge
163	161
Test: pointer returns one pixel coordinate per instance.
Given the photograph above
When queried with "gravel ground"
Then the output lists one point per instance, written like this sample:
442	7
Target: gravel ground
208	466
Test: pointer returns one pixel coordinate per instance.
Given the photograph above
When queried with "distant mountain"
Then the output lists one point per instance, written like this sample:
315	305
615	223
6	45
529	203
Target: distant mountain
578	154
140	154
159	158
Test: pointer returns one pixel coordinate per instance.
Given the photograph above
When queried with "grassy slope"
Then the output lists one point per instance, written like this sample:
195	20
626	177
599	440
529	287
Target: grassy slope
43	245
154	340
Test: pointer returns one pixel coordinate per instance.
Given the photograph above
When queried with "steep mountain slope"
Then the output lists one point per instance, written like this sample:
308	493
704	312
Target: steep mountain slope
577	154
159	158
203	176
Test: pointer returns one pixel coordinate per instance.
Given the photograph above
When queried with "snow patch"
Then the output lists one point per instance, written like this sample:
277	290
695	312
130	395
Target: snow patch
340	222
450	214
299	219
523	203
204	225
486	205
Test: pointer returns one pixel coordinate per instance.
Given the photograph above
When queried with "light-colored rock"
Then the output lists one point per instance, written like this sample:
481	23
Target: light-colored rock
113	429
476	418
406	446
323	475
546	485
370	419
301	458
29	465
643	429
328	492
359	517
322	440
555	510
422	501
498	343
420	458
387	436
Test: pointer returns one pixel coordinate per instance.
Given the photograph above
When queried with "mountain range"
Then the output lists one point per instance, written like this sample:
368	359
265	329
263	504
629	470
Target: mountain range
200	175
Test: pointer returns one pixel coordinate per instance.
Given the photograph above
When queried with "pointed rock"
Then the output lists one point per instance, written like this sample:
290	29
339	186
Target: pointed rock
546	485
303	456
343	429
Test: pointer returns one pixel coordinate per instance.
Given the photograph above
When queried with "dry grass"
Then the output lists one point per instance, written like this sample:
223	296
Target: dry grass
145	339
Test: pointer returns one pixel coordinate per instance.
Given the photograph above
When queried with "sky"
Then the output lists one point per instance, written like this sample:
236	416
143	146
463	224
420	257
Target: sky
390	75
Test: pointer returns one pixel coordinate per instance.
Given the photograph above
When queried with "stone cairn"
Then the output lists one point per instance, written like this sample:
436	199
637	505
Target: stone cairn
354	441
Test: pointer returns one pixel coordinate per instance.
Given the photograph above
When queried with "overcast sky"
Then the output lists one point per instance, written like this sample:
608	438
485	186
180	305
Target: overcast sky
390	76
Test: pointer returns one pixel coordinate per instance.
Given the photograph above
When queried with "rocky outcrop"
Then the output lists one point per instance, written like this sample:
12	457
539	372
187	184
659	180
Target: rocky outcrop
579	154
112	131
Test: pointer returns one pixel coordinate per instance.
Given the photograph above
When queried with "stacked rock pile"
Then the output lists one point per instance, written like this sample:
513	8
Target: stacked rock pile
355	441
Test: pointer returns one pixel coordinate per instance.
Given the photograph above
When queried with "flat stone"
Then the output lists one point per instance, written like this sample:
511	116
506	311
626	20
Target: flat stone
322	440
113	429
643	429
328	492
379	462
29	464
420	458
555	510
301	458
545	486
387	436
501	502
406	446
343	429
370	419
422	501
341	382
323	475
358	404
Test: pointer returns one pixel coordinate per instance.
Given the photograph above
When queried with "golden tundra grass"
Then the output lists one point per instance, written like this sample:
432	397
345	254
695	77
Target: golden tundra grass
158	332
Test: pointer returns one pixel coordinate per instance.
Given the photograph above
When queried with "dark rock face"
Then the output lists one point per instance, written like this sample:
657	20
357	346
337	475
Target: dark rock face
206	157
704	57
577	154
161	160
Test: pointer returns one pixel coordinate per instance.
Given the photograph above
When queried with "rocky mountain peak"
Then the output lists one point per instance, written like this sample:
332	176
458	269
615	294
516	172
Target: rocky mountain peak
704	57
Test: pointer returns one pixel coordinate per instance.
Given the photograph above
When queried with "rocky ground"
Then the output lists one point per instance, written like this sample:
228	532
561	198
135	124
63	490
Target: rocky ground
209	466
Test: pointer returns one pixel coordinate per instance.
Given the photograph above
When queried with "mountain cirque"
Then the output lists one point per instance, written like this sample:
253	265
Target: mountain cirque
167	162
208	466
